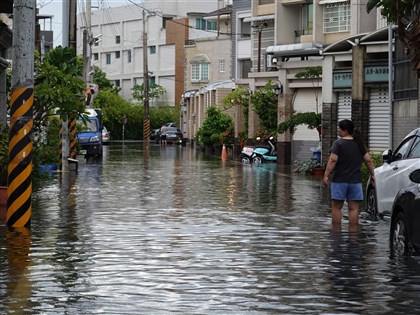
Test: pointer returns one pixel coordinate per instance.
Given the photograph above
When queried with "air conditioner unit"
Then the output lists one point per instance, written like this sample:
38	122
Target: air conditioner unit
269	64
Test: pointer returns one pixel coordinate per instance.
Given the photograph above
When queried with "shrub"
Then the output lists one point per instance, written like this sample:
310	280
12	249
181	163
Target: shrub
306	167
216	129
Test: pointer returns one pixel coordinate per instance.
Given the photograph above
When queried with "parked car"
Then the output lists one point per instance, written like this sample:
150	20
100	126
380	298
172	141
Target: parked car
106	136
405	218
171	135
154	134
393	174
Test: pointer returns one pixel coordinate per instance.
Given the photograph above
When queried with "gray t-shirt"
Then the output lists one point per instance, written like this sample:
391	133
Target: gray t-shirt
349	163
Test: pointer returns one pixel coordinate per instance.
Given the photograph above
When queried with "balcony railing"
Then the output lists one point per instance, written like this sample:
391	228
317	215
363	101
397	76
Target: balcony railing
306	31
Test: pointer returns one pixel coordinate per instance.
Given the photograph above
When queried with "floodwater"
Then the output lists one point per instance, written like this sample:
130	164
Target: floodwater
173	231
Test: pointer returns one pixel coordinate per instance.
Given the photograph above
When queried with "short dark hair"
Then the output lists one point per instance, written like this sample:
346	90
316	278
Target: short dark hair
346	125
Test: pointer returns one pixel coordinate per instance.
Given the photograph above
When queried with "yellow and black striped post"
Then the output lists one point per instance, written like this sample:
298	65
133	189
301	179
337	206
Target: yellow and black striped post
72	137
19	190
60	148
146	129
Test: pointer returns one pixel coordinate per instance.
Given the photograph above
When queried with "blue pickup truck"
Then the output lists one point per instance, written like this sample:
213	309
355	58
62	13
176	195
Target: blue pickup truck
89	136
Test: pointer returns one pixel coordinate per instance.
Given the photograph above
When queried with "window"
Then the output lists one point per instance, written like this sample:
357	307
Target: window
117	39
222	65
152	50
245	29
108	58
307	19
212	26
117	83
117	54
152	81
403	149
200	72
415	149
164	20
129	56
95	56
200	24
337	17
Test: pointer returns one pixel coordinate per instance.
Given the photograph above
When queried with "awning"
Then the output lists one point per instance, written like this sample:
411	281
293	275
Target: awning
345	44
189	93
295	50
224	84
200	58
331	1
259	18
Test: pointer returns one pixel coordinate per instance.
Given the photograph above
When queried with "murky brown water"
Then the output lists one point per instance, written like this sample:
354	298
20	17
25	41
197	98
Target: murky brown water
177	232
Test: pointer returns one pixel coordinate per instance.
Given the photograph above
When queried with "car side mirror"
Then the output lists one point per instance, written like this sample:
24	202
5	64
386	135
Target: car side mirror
415	176
387	156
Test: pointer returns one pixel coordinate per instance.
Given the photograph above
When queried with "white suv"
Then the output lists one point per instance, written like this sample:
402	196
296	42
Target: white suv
393	174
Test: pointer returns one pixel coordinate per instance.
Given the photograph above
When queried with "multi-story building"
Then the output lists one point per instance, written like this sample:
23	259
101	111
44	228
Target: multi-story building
208	76
117	46
304	33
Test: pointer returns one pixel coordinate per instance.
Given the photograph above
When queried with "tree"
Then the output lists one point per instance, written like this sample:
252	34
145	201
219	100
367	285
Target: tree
155	91
217	129
406	15
99	78
314	74
311	119
264	102
239	96
58	87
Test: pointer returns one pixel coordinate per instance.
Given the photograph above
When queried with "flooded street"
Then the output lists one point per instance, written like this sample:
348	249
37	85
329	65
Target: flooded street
178	232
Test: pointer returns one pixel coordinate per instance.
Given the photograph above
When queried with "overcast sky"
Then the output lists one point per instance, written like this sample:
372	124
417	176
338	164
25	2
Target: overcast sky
55	7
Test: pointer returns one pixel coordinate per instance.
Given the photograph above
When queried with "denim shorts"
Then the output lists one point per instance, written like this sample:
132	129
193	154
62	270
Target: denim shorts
346	191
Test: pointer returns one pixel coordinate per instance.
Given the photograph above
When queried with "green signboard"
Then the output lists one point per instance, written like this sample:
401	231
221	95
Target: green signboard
376	74
342	79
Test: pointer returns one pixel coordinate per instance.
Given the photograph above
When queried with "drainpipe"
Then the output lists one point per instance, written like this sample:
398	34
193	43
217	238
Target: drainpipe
390	86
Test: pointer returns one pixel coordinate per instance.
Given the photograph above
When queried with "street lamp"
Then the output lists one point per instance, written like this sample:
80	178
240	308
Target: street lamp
278	89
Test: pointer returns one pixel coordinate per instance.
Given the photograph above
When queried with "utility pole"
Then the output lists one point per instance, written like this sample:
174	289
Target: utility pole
87	42
69	40
19	190
146	120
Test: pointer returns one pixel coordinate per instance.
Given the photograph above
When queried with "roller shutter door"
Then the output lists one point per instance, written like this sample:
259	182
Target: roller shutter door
344	105
379	120
305	102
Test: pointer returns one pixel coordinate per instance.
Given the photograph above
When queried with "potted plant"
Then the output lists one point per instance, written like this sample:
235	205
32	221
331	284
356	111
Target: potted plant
311	166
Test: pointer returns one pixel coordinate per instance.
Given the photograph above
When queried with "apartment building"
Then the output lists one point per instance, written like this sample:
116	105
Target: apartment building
116	37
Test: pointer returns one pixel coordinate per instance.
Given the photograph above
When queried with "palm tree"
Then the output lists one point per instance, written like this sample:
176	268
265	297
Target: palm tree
406	15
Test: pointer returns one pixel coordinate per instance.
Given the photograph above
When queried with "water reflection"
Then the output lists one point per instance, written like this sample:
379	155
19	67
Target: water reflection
177	231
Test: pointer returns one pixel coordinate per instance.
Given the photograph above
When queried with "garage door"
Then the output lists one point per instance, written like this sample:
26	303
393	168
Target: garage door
305	102
379	120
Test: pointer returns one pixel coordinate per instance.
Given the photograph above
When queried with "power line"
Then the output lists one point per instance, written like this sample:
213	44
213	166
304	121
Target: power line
182	24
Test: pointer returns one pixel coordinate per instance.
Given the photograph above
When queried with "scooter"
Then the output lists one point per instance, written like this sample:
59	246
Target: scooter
246	154
258	154
264	153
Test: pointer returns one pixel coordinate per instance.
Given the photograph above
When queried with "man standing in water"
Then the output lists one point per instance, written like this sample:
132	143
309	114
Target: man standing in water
347	154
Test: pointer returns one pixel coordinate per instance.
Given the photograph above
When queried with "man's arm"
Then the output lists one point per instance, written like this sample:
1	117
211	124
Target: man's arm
332	161
369	163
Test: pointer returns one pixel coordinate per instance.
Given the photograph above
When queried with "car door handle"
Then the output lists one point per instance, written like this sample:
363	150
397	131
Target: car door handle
395	168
